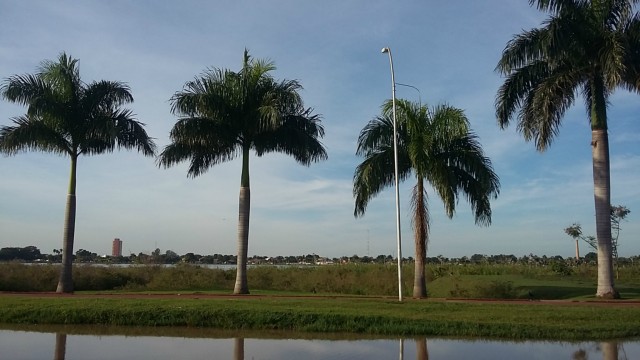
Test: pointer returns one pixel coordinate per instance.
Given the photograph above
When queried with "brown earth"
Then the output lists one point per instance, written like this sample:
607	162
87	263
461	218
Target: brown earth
611	303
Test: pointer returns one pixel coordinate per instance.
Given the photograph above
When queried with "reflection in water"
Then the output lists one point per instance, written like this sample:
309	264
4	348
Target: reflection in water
609	350
238	349
71	343
61	346
421	349
326	349
580	354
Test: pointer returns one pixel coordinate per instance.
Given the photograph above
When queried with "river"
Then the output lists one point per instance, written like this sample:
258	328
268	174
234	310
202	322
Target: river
75	343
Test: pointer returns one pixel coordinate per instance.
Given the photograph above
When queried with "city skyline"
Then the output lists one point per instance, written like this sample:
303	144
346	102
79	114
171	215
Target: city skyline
448	51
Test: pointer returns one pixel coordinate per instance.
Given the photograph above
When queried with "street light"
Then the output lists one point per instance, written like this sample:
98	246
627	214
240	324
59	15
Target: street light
416	89
387	50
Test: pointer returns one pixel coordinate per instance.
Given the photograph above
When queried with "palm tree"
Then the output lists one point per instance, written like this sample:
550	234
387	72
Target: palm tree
227	114
437	146
588	48
68	117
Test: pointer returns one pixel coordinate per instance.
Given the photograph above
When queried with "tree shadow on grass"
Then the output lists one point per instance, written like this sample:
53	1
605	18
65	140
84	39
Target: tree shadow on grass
550	292
629	292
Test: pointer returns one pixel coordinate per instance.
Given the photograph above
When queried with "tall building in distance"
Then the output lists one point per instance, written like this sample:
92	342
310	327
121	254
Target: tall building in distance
116	248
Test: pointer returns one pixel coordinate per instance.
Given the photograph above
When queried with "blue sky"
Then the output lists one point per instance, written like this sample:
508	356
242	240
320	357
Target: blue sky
446	49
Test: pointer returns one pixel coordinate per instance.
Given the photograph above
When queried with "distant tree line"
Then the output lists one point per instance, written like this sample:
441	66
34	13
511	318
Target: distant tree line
29	253
33	254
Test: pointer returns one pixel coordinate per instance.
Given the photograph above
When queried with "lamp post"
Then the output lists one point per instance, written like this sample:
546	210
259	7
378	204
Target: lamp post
387	50
416	89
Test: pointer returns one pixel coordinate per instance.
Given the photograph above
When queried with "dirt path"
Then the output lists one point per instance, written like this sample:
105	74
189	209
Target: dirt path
168	295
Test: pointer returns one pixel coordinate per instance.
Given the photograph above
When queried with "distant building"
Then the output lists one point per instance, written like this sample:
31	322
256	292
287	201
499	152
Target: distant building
116	248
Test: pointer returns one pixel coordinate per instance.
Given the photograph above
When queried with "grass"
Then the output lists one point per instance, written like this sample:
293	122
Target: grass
358	315
514	281
358	299
523	287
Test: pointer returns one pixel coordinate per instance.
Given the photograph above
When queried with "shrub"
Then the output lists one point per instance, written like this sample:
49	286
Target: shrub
561	268
21	277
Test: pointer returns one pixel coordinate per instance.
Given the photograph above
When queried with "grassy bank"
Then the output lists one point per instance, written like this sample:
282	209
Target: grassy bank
361	315
444	281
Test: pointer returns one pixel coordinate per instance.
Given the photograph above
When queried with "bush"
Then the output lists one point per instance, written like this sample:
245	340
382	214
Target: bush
189	277
561	268
20	277
462	281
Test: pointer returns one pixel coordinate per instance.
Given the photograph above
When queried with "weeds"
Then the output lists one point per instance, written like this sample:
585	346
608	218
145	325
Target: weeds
336	314
553	281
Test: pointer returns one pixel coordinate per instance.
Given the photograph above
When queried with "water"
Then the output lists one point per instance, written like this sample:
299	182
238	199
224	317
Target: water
74	343
207	266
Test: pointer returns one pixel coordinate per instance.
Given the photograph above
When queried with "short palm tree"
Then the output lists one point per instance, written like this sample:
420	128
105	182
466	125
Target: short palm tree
584	47
227	114
68	117
438	148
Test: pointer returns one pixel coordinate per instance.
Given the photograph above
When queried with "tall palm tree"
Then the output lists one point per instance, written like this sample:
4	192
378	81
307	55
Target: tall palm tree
227	114
584	47
438	148
68	117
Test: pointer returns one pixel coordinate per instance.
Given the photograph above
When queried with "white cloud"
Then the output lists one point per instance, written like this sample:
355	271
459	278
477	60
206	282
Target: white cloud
448	50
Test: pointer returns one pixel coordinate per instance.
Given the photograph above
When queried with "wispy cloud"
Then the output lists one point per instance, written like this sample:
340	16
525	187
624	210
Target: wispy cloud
448	50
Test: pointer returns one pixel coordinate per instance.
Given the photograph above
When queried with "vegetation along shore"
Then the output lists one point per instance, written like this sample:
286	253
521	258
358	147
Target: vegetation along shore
363	315
522	301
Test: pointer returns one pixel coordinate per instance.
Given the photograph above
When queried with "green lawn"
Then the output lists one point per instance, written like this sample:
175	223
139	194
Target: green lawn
523	287
361	315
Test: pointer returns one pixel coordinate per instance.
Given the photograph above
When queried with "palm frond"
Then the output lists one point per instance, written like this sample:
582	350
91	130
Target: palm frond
377	134
631	76
23	89
106	95
556	6
104	132
205	131
374	174
63	76
130	134
524	49
200	157
449	121
582	43
32	133
516	88
273	100
299	136
543	109
461	167
204	141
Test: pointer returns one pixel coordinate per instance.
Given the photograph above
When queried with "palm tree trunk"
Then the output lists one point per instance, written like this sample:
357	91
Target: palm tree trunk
241	286
65	282
420	228
602	196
